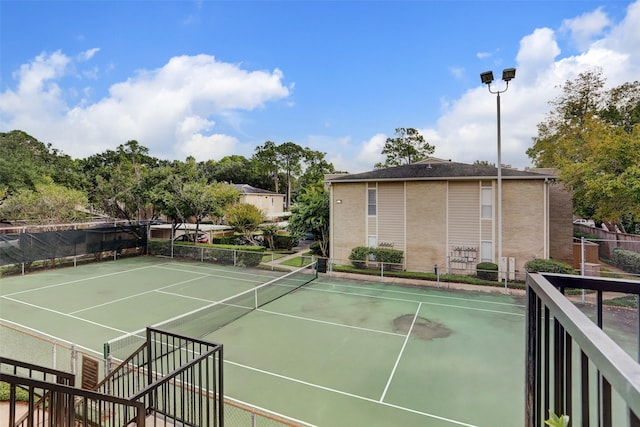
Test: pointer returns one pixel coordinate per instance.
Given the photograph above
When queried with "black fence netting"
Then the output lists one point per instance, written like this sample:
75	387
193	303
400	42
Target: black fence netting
21	248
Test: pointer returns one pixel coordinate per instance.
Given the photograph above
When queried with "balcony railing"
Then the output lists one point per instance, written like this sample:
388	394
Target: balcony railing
572	366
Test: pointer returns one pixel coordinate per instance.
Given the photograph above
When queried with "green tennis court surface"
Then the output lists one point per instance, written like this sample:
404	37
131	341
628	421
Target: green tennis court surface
332	353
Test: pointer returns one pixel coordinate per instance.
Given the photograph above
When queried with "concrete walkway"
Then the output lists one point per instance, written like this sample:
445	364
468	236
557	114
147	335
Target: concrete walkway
303	247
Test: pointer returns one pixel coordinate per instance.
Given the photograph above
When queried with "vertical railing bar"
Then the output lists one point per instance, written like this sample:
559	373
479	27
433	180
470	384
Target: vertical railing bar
538	407
584	386
547	339
634	421
606	403
558	361
599	308
568	406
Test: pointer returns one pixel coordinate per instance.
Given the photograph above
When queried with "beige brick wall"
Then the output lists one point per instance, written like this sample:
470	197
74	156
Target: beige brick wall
561	223
426	225
523	220
426	222
349	230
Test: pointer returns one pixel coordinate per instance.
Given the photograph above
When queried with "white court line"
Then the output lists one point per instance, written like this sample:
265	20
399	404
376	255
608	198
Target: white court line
404	345
330	323
173	294
136	295
79	280
213	275
486	310
355	396
65	315
259	277
373	288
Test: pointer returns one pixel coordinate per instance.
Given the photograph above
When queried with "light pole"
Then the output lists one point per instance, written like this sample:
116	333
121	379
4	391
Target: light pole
487	78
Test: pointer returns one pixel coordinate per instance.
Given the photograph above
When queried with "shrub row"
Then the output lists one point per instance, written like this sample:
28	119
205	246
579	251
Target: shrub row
241	256
487	271
628	261
538	265
361	254
280	241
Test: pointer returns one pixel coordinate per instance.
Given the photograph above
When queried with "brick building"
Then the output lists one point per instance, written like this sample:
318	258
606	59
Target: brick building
445	213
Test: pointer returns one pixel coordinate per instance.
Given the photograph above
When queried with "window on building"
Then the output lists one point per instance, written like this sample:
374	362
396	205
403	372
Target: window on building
487	203
371	204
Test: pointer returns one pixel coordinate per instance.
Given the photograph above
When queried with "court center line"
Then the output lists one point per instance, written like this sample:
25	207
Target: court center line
78	280
331	323
136	295
314	289
355	396
404	345
66	315
420	294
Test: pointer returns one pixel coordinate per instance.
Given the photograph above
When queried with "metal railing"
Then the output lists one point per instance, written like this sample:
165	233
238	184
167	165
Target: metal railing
53	400
177	377
572	366
36	347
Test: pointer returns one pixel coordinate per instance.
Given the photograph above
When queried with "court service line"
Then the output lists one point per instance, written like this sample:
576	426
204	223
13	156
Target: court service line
355	396
66	315
258	278
79	280
486	310
308	319
423	295
404	345
136	295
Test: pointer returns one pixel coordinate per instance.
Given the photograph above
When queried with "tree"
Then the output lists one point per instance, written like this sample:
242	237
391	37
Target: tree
315	168
267	157
198	200
246	219
49	203
310	214
234	169
484	163
25	162
407	147
592	137
121	182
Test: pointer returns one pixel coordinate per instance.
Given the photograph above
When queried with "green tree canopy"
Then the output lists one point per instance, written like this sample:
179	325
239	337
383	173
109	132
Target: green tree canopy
310	214
592	138
246	219
408	146
26	162
49	203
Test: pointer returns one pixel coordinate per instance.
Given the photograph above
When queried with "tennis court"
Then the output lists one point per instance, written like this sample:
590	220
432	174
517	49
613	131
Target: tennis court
332	353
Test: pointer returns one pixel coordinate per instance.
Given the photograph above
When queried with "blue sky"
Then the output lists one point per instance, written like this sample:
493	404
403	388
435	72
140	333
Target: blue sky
215	78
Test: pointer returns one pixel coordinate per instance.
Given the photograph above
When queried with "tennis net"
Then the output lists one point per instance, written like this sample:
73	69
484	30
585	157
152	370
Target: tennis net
206	320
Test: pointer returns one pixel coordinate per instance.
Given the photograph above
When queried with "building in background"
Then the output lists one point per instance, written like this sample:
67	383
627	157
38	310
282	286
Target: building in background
444	213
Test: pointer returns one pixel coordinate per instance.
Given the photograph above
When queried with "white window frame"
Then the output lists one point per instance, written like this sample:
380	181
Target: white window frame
372	205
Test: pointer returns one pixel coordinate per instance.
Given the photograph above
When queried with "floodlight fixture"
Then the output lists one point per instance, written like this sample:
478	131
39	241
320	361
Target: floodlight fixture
487	77
508	74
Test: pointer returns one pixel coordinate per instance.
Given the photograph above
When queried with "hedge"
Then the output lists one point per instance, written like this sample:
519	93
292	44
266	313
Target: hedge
626	260
241	256
361	254
487	271
538	265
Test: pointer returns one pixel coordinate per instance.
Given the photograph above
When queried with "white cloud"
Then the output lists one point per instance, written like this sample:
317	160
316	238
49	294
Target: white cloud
168	109
466	131
586	27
